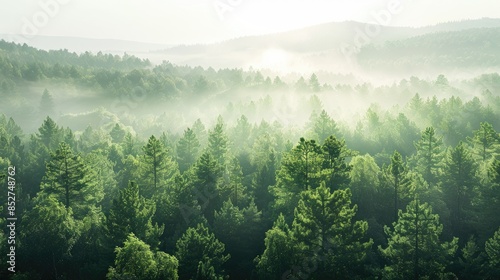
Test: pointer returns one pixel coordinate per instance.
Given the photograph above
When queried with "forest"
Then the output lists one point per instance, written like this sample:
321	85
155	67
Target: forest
270	177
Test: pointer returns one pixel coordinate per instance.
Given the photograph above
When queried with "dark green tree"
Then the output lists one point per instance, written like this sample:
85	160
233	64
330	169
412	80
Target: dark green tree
49	233
458	186
414	250
157	167
276	258
335	153
492	248
485	141
135	260
132	213
197	248
429	155
301	169
188	149
218	143
71	181
325	233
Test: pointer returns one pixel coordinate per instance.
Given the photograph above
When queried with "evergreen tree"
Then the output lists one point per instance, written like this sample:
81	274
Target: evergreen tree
459	183
188	149
132	213
239	230
414	249
323	126
46	104
301	169
218	143
396	174
49	134
265	177
157	167
485	141
492	248
314	83
429	155
135	260
324	231
198	248
92	253
48	235
71	181
206	182
117	133
335	153
471	261
276	258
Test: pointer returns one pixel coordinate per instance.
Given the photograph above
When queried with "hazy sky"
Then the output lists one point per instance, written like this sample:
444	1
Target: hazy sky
193	21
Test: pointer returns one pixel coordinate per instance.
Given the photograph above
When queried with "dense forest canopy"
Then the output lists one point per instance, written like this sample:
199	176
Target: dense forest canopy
127	169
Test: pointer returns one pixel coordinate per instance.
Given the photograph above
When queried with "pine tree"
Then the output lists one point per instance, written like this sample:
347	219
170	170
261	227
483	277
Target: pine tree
239	230
323	126
157	167
132	213
196	248
218	143
335	153
429	155
188	149
71	181
414	249
46	104
459	183
471	261
314	83
324	231
397	176
265	177
49	134
276	259
301	169
485	141
206	182
117	133
48	236
492	248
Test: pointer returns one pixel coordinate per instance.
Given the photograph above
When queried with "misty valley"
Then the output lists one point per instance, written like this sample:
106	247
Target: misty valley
266	157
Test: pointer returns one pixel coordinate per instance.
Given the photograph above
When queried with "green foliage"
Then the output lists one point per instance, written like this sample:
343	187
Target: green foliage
71	181
132	213
429	155
135	260
324	232
323	126
459	183
485	141
188	149
492	248
198	251
414	249
241	231
276	258
157	167
218	143
52	224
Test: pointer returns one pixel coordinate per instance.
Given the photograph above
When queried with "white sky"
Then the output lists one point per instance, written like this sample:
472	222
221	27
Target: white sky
198	21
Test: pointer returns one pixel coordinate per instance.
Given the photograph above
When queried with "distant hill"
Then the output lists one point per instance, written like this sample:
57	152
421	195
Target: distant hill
331	46
80	45
466	49
344	47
